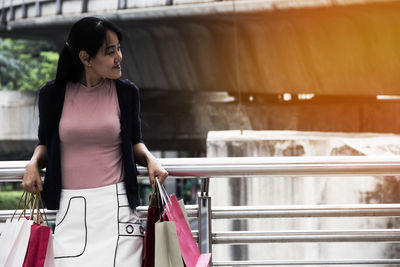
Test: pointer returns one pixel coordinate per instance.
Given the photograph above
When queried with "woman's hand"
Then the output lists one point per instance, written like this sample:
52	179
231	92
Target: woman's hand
156	170
145	158
31	178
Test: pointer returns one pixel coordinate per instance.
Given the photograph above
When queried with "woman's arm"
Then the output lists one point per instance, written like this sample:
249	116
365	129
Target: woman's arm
31	177
145	158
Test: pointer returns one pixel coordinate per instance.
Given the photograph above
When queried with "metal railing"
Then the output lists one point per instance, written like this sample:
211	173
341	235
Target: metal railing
8	8
255	166
214	168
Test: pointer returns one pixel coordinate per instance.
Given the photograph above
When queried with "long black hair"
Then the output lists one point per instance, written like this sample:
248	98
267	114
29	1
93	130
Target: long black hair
87	34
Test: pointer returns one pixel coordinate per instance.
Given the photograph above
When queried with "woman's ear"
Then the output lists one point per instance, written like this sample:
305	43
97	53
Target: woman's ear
85	58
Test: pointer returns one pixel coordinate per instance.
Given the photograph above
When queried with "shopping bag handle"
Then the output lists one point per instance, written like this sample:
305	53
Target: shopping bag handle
40	203
34	201
163	193
24	195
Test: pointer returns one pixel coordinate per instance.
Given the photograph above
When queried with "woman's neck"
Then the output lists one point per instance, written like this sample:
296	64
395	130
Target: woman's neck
89	81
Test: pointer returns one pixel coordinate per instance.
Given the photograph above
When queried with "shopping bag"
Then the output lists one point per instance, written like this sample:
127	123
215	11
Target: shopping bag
173	212
14	242
15	236
203	260
153	215
182	205
49	261
167	252
189	250
40	247
37	247
24	240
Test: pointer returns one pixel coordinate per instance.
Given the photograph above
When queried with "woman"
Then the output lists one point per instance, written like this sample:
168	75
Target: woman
89	141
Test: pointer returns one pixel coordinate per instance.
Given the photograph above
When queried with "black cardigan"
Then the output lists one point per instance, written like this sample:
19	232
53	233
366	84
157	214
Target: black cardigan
51	101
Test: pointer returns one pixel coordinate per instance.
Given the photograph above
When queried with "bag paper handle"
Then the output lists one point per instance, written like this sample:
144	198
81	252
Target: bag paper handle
40	203
24	194
163	193
34	201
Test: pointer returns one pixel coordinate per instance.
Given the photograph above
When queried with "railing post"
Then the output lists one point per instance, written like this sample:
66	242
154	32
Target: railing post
205	216
122	4
84	6
3	19
11	13
24	11
37	9
59	7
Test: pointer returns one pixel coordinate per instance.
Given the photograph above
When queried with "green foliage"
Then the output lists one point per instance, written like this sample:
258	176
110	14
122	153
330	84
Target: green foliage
9	199
26	65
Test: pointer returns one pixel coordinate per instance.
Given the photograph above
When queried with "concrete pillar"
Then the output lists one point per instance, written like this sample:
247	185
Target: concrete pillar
18	121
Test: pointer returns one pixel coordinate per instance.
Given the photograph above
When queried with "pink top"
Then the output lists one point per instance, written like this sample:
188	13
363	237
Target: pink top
90	136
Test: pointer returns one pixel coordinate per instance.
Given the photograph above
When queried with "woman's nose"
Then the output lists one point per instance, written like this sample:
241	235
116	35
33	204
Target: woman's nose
118	56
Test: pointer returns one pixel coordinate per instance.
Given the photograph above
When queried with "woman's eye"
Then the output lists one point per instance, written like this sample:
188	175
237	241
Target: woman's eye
112	52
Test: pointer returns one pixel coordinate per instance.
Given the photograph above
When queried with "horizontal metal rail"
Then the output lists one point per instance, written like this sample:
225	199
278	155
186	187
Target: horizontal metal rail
279	166
296	211
6	214
51	216
276	211
260	166
247	237
307	262
192	212
284	166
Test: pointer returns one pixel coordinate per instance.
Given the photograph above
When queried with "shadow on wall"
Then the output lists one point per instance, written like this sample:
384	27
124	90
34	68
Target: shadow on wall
387	190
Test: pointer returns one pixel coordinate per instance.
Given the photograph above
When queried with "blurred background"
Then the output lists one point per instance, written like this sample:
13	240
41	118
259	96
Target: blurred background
229	79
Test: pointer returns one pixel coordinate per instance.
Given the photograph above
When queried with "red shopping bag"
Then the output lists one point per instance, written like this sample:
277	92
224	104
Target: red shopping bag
189	250
26	242
37	246
153	215
40	247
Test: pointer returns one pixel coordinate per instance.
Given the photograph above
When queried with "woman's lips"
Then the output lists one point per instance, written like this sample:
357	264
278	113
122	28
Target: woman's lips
118	67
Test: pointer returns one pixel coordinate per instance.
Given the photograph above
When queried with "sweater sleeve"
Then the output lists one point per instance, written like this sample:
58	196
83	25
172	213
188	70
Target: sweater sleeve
43	104
42	115
137	125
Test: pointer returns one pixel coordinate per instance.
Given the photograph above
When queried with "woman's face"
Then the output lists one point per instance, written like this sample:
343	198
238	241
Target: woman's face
107	62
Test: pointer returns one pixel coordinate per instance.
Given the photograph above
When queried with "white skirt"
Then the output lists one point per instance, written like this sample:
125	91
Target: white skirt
96	227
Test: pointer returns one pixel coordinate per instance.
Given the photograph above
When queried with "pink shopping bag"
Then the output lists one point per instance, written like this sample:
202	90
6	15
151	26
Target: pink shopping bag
189	250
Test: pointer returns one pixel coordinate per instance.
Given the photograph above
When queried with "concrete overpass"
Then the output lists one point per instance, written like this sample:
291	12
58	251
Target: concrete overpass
217	65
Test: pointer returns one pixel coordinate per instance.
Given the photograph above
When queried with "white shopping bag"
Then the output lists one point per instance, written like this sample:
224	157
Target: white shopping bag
167	252
14	241
49	262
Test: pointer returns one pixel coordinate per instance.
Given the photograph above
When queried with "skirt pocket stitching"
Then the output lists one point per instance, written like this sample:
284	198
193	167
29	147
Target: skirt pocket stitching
69	204
85	224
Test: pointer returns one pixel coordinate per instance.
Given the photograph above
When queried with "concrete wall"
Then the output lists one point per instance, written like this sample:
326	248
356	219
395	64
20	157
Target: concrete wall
18	122
301	191
180	120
